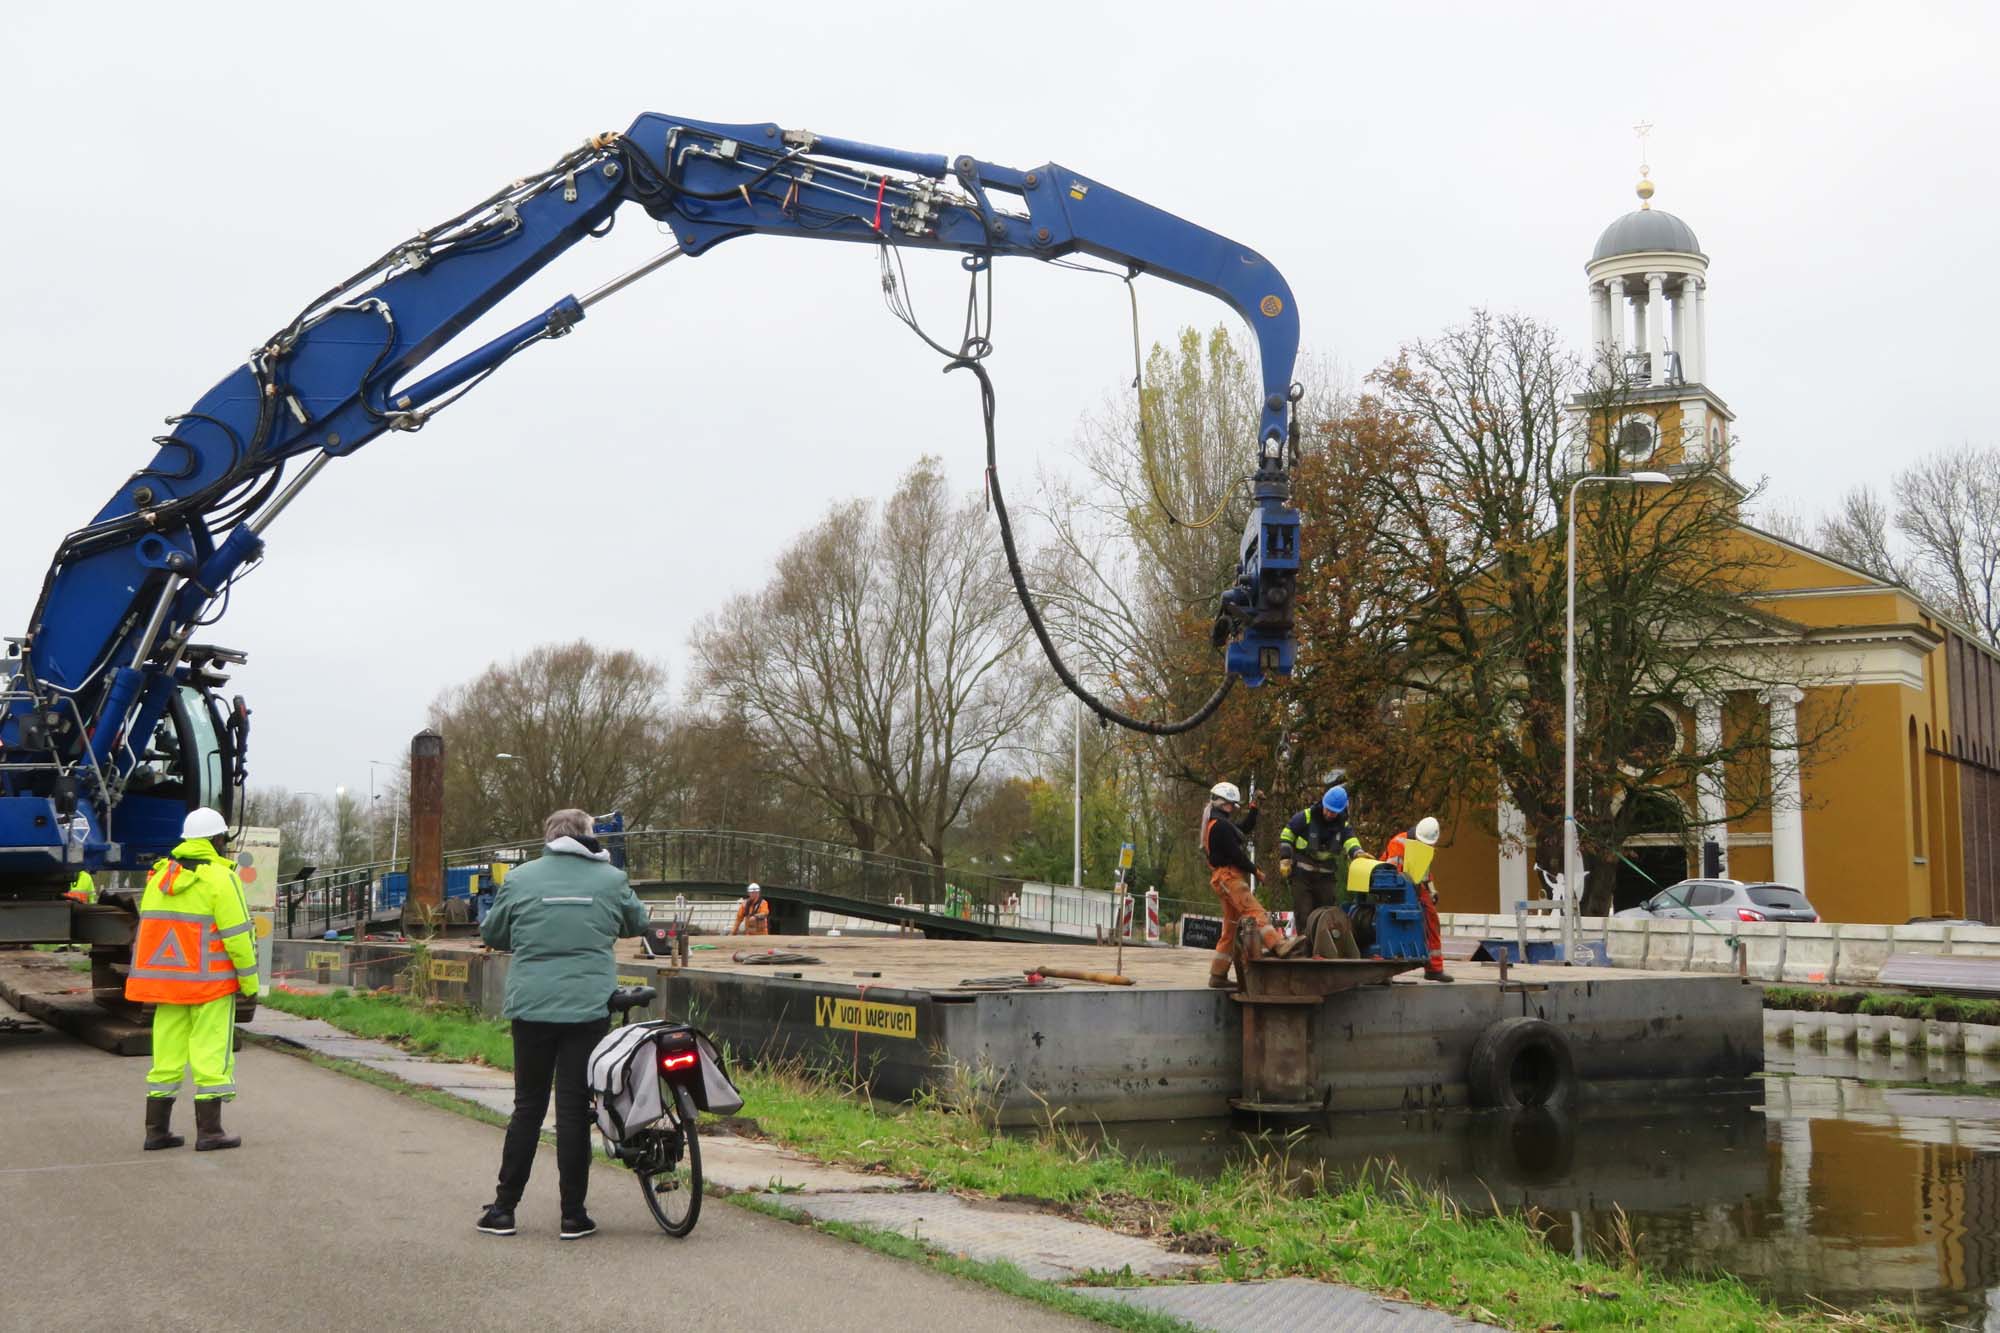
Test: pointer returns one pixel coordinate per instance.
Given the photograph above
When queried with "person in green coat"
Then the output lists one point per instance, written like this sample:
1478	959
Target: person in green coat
560	915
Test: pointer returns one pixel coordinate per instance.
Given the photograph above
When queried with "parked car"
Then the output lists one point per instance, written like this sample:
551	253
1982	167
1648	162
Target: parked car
1727	900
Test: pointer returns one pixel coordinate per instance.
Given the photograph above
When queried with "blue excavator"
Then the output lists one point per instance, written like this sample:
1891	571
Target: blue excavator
113	716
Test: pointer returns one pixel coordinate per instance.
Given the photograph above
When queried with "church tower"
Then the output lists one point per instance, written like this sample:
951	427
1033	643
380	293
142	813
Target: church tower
1649	326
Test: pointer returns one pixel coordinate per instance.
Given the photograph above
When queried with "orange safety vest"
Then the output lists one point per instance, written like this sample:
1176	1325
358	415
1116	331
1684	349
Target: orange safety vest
755	918
179	957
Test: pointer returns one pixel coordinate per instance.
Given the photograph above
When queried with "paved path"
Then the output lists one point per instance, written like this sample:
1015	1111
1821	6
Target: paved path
1040	1244
351	1207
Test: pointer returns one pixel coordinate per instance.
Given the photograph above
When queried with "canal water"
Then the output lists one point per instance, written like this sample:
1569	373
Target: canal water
1861	1181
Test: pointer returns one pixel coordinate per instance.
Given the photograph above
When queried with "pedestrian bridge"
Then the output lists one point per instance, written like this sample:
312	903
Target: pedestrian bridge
799	876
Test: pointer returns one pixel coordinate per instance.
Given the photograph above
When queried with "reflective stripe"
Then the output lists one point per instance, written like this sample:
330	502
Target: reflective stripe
180	974
219	1090
569	900
236	929
193	918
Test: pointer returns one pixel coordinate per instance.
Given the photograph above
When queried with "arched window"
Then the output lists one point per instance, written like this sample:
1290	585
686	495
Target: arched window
1916	791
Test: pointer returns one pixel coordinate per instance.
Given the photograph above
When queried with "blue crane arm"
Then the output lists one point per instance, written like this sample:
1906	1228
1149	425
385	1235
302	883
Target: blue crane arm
88	771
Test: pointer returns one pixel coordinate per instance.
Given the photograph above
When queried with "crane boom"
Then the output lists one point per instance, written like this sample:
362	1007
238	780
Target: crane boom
113	725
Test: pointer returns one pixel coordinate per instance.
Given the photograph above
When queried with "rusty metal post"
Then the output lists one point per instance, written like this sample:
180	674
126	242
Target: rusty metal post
424	907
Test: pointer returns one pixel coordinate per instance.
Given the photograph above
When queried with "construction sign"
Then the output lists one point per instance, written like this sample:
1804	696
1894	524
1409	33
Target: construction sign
257	867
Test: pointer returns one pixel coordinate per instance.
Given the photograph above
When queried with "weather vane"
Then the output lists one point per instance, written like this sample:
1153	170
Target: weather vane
1642	129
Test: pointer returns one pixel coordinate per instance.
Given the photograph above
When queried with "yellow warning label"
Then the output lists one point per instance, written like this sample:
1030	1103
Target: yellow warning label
445	970
322	958
878	1020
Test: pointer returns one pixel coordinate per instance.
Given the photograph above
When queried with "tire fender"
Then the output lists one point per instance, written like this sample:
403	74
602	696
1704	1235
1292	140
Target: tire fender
1521	1062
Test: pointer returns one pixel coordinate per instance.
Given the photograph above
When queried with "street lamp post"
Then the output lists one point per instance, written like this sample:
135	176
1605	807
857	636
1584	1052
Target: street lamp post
1572	852
395	815
1076	832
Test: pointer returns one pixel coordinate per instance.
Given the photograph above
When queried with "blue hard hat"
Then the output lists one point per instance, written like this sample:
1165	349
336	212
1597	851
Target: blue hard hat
1335	801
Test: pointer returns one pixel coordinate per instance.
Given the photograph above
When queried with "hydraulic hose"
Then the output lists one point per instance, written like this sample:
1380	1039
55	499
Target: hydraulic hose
1070	682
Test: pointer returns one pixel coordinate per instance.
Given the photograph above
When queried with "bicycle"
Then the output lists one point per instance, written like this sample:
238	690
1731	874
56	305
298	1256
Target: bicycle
665	1155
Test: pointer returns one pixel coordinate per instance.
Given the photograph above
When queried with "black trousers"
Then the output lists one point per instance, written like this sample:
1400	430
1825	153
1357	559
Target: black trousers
1313	889
545	1054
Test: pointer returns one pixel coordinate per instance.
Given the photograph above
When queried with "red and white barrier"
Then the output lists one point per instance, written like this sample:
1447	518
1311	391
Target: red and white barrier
1124	930
1152	916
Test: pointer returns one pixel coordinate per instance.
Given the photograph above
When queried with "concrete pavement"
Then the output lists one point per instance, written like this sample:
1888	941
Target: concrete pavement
352	1207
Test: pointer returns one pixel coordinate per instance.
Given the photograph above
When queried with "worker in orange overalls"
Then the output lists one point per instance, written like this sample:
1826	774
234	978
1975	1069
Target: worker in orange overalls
753	914
195	952
1224	841
1418	868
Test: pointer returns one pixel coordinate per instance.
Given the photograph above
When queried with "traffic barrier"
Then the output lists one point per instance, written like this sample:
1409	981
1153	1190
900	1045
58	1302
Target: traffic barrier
1152	916
1124	927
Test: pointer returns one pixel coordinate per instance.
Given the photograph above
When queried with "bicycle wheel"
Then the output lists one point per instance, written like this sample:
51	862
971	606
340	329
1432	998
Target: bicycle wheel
670	1175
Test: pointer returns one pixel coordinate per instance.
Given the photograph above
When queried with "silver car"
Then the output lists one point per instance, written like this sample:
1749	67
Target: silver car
1727	900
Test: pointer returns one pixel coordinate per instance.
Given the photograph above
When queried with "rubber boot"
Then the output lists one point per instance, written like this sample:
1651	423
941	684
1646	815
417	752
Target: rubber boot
208	1135
1220	980
159	1119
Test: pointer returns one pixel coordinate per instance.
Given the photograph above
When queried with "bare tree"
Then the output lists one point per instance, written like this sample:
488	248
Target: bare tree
1948	510
305	832
883	664
1938	536
579	725
1858	532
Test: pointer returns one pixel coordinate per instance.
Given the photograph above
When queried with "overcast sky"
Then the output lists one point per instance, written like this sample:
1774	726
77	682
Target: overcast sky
183	177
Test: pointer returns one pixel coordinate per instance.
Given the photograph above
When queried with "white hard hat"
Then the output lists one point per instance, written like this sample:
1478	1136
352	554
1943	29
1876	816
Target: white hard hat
1427	831
203	822
1225	791
755	887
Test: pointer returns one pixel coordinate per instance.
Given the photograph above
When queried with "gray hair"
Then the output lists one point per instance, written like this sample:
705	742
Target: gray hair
566	824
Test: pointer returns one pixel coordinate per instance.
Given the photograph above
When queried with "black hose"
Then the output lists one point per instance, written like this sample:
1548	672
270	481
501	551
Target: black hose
1068	678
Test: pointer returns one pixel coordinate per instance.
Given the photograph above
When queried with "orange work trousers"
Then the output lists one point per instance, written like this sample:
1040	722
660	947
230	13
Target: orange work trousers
1232	886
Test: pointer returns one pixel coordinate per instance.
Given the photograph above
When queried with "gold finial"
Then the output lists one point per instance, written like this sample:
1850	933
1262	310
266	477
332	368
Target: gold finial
1642	129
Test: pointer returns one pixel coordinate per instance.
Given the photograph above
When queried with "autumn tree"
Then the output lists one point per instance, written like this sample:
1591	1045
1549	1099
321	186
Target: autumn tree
1501	421
884	665
1145	545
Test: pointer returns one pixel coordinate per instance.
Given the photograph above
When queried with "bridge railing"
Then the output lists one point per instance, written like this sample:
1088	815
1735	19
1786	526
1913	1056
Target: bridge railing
722	856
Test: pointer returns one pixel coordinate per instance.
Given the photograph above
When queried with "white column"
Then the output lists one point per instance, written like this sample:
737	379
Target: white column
1788	840
1614	302
1513	853
1701	331
1600	330
1680	327
1689	312
1656	296
1710	805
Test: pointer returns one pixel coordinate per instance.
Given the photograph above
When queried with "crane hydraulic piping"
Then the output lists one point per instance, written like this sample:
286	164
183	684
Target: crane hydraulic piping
112	721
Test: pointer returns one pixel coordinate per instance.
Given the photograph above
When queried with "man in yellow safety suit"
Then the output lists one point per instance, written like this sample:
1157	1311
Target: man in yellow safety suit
194	953
82	889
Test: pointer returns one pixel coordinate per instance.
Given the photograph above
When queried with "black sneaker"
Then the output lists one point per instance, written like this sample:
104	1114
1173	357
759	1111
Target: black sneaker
497	1221
576	1228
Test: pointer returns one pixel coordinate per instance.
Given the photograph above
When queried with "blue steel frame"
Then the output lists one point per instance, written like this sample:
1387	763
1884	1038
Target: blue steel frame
106	651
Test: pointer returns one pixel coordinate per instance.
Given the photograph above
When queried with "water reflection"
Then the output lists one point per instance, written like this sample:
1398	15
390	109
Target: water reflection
1832	1178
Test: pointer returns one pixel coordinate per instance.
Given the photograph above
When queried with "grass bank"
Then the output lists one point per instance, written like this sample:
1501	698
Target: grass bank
448	1033
1896	1004
1261	1219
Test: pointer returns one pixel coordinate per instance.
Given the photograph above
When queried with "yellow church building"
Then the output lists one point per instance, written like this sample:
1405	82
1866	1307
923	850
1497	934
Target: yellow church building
1900	819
